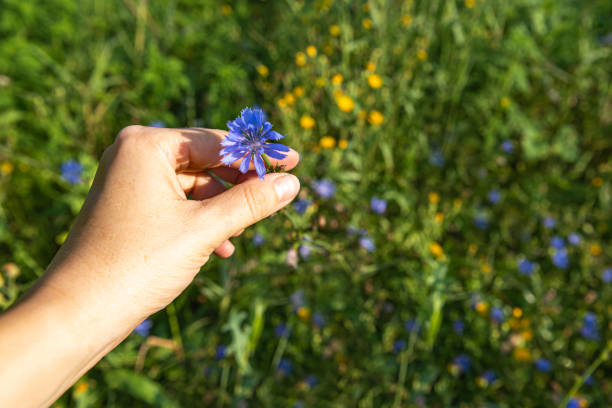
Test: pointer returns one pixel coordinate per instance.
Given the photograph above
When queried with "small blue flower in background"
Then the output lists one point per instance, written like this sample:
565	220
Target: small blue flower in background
258	239
324	188
573	403
378	205
458	326
481	221
557	242
560	258
71	171
318	320
463	363
507	146
311	380
494	196
543	365
247	140
143	328
221	352
589	381
285	367
574	239
606	275
282	330
488	377
304	251
367	243
549	222
497	314
158	124
437	158
399	345
297	299
301	205
412	325
526	267
590	329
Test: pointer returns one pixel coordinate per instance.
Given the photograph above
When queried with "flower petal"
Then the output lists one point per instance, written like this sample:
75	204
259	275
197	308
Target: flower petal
246	161
276	146
260	167
274	154
273	135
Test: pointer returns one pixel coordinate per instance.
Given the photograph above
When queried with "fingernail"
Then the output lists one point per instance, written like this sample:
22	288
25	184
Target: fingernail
286	187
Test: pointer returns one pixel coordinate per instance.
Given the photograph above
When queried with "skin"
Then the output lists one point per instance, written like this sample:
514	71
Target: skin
137	243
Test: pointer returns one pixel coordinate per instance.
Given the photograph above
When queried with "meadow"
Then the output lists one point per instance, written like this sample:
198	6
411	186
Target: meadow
452	242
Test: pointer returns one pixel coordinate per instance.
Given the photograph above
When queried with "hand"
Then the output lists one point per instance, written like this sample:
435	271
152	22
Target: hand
135	246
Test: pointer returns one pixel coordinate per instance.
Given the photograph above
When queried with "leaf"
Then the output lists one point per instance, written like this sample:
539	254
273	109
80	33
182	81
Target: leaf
140	387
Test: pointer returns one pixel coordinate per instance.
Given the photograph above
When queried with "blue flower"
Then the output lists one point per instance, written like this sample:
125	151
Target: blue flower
221	352
458	326
507	146
378	205
258	239
437	158
71	171
574	239
158	124
557	242
526	267
324	188
606	275
494	196
247	140
301	205
543	365
304	251
399	345
497	314
573	403
488	377
284	367
590	329
311	380
463	363
318	320
411	325
144	328
560	258
367	243
549	222
282	330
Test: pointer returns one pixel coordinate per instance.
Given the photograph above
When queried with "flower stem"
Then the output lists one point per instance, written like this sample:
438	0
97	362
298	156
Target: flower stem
267	161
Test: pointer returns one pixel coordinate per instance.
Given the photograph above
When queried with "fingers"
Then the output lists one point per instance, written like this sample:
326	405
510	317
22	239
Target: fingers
246	203
225	250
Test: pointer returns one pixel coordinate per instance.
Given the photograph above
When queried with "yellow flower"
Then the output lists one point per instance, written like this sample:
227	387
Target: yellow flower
320	82
406	19
370	66
345	103
303	312
436	249
517	312
597	181
311	50
522	354
226	9
470	3
282	103
300	59
337	79
434	197
298	91
486	269
504	102
482	308
375	118
527	335
343	144
327	142
375	81
334	30
338	93
289	98
307	122
6	167
82	386
422	54
367	23
263	70
595	250
439	217
11	269
472	248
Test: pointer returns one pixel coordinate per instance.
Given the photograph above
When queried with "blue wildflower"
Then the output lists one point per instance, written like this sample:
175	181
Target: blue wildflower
247	140
143	328
494	196
437	158
378	205
590	329
488	377
463	363
311	380
549	222
606	275
324	188
301	205
497	314
481	221
282	330
526	267
158	124
574	239
304	251
284	367
399	345
573	403
258	239
589	381
411	325
71	171
367	243
560	258
507	146
543	365
221	352
318	320
458	326
557	242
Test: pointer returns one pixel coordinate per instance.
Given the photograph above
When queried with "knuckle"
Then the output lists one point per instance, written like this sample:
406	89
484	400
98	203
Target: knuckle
255	202
129	133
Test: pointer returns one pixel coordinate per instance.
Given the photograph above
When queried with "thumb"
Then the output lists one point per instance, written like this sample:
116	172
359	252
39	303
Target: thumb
246	203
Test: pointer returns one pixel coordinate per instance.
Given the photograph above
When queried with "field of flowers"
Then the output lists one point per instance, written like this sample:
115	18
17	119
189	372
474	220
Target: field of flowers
452	242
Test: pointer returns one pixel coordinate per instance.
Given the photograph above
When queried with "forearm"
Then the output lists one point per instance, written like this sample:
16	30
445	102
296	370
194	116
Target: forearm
49	340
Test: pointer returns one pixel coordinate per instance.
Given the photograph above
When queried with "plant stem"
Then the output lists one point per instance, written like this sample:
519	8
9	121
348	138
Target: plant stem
267	161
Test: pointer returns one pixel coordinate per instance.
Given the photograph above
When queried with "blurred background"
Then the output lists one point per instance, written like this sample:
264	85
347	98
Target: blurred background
451	246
